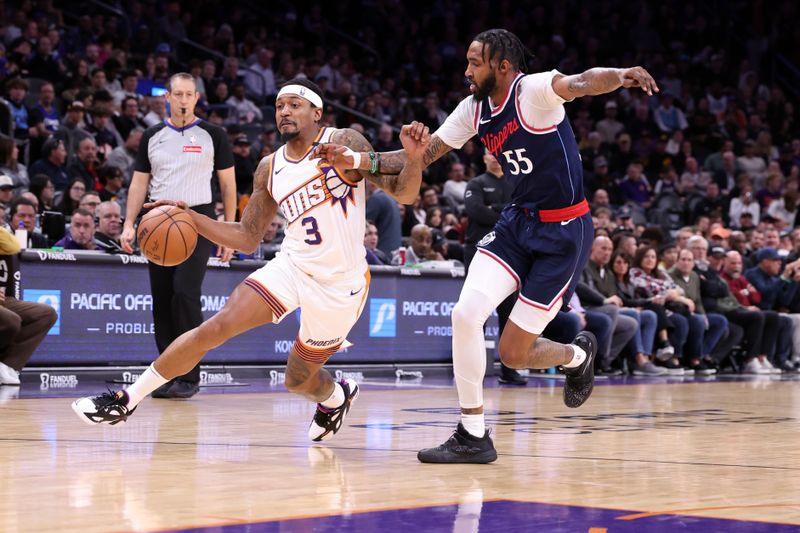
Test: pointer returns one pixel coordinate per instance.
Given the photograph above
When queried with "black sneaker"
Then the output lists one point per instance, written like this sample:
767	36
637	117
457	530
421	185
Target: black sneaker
183	389
328	421
509	376
580	380
109	408
461	447
162	391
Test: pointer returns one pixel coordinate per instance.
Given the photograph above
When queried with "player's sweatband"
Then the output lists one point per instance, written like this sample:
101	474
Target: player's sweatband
356	157
302	92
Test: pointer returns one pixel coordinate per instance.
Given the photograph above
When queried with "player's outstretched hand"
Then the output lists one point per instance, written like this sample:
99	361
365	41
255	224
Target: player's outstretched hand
158	203
415	138
638	77
334	155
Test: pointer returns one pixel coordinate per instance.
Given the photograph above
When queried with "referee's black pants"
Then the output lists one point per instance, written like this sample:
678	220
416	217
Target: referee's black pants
176	295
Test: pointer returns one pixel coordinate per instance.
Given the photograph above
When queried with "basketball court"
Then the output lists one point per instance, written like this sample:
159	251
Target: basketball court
679	454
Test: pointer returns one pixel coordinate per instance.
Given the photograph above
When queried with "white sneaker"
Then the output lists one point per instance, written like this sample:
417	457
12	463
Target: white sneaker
755	367
772	370
8	376
328	421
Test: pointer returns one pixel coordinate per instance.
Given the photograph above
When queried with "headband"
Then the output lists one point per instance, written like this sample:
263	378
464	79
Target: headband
302	92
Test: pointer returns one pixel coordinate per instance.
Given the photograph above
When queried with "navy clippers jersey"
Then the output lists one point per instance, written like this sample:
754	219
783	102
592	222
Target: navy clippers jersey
530	136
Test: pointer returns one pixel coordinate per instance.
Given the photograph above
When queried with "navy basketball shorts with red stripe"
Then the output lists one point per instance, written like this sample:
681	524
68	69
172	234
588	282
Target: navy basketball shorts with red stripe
544	258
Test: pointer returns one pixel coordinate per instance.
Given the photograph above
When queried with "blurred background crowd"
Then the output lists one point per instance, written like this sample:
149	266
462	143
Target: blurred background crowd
706	173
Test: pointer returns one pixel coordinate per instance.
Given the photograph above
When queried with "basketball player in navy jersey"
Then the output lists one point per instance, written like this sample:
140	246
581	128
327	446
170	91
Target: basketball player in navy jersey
541	242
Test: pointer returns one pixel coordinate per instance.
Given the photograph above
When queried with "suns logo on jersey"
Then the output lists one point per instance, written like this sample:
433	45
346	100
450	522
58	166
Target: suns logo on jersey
328	185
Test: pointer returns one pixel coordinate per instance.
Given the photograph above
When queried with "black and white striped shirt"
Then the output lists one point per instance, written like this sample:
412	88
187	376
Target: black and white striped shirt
181	161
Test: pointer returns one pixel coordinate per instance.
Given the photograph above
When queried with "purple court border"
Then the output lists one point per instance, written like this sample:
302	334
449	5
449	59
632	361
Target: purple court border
503	515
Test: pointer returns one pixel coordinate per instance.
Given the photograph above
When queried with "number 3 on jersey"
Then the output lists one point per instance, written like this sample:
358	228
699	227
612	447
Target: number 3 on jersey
516	157
312	230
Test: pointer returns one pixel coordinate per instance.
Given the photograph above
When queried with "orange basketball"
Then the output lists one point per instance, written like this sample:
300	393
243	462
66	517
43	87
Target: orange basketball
167	235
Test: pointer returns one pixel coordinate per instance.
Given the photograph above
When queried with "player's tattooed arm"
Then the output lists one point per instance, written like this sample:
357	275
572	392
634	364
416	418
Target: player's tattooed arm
402	185
392	162
603	80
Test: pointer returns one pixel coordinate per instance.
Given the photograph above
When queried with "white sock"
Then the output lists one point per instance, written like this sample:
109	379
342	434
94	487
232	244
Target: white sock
474	424
149	381
578	358
336	398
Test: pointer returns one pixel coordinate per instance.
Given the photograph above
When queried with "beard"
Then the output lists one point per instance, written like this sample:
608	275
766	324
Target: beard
483	90
288	136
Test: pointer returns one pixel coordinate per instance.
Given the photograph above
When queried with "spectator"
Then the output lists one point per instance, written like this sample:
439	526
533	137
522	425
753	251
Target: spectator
17	90
112	181
599	290
72	129
105	137
753	165
244	166
72	197
717	299
705	330
374	254
89	202
157	113
711	205
24	211
259	78
23	325
6	189
123	157
109	228
43	191
245	110
456	186
609	127
693	181
785	207
651	283
776	333
383	211
11	167
85	166
777	289
419	250
81	232
744	203
771	192
129	119
52	164
726	176
669	118
635	188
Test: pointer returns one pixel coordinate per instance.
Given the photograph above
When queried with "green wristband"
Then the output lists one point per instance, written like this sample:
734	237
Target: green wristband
374	160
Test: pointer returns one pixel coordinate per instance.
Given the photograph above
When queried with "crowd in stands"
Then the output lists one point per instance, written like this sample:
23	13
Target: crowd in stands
694	192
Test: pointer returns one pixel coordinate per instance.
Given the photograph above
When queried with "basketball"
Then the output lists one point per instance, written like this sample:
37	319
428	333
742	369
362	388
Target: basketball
167	235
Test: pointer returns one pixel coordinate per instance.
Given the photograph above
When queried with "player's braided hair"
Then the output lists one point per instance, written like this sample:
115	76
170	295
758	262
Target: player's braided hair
502	45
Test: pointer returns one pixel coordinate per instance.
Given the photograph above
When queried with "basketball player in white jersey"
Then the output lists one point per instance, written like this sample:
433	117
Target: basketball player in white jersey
321	267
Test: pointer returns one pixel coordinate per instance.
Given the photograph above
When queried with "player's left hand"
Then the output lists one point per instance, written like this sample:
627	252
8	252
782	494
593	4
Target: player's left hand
415	138
224	253
638	77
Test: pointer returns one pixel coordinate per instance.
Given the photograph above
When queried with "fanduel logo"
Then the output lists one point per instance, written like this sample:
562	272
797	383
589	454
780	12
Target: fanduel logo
358	376
215	377
276	377
51	297
69	381
382	317
130	377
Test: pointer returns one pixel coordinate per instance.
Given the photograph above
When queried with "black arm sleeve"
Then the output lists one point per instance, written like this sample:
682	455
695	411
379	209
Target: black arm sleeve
223	154
142	163
475	207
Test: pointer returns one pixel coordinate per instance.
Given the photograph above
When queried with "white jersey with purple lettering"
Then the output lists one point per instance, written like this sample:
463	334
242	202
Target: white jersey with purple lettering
325	214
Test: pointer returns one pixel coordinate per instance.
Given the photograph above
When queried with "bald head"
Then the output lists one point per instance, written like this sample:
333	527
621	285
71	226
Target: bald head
421	240
602	247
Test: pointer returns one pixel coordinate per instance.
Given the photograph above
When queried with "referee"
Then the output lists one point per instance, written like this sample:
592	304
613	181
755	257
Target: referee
176	160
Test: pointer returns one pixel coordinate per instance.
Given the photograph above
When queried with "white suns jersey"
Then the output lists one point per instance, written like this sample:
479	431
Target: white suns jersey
325	214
